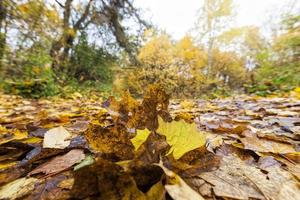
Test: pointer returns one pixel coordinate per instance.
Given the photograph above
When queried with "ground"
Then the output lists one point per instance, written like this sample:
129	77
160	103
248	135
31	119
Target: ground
241	147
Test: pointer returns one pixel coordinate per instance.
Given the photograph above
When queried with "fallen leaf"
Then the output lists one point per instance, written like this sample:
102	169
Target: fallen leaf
11	135
156	192
213	141
88	160
235	179
50	189
67	183
193	162
18	188
105	180
113	141
264	145
177	188
183	137
57	138
60	163
7	164
140	138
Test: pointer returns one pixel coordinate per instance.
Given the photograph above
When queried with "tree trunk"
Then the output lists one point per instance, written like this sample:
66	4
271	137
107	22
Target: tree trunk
3	14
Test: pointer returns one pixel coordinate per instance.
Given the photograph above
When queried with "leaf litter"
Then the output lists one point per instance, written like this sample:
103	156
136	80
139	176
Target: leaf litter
152	148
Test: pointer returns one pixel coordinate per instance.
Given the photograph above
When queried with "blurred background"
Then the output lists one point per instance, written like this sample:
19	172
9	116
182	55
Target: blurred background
193	48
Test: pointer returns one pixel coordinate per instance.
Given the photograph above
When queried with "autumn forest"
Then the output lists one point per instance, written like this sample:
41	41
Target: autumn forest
184	100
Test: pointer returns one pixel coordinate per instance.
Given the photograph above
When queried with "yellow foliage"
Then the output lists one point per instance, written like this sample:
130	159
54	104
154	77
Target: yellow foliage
176	66
158	52
228	64
181	67
181	136
186	50
296	92
140	138
71	32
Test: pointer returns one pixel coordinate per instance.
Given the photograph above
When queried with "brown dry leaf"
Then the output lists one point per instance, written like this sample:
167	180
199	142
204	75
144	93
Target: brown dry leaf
213	141
50	189
225	126
57	138
193	162
295	157
177	188
156	192
120	110
141	168
235	179
105	180
60	163
263	145
152	148
17	188
114	141
141	115
292	167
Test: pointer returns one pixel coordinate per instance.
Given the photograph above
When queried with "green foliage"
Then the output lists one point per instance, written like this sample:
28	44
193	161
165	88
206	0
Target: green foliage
89	62
86	88
278	78
2	45
280	65
31	74
32	89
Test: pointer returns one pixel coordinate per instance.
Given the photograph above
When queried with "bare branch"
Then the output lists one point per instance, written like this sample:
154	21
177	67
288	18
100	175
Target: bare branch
60	4
134	11
83	16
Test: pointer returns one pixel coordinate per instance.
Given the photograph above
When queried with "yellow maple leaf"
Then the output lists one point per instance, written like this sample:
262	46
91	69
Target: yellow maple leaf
140	138
183	137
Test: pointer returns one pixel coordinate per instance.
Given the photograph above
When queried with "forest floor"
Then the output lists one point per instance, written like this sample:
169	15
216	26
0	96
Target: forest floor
241	147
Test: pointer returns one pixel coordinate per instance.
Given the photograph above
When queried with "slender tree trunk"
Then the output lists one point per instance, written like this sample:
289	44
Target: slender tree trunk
60	49
3	14
57	58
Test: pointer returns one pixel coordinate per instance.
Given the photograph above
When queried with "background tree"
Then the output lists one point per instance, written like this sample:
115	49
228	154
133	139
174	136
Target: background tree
214	18
176	65
105	13
3	14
